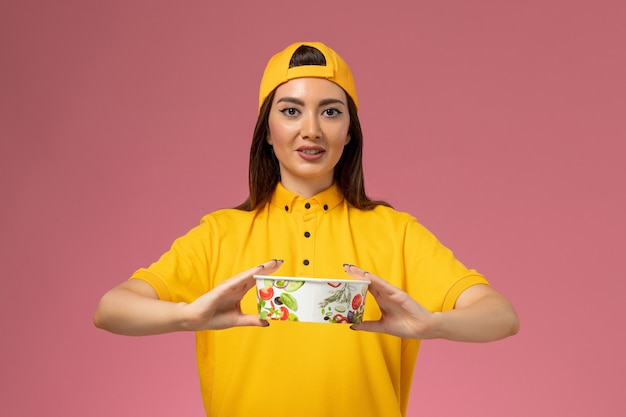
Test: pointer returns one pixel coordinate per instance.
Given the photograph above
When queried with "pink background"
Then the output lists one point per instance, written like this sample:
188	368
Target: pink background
500	124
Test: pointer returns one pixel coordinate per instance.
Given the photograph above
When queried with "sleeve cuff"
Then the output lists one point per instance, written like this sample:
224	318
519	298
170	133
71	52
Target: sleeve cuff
460	286
155	282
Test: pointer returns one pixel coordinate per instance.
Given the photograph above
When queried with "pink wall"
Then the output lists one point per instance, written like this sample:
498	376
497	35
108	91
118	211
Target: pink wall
500	125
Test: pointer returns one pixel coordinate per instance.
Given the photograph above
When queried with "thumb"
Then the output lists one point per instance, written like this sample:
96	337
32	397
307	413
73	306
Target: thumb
368	326
251	320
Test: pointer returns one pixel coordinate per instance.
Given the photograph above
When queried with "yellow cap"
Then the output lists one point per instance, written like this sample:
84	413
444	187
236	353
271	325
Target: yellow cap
278	72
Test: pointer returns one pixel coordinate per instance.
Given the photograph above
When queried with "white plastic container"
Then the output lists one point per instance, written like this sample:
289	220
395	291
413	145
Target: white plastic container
318	300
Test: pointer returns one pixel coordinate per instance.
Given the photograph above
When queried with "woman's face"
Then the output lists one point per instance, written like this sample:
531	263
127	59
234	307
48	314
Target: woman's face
308	129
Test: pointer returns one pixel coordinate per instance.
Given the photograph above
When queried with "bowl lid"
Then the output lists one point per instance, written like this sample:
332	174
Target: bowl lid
286	278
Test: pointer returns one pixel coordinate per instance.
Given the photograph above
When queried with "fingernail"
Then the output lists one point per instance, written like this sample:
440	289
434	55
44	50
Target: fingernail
278	260
261	266
352	328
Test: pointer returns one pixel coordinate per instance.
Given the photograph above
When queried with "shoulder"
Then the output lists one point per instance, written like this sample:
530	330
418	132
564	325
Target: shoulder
228	214
227	217
382	214
384	221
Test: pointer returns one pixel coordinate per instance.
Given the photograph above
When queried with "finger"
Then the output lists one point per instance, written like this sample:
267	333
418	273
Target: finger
369	326
244	280
271	266
376	283
265	268
378	286
251	320
356	272
374	288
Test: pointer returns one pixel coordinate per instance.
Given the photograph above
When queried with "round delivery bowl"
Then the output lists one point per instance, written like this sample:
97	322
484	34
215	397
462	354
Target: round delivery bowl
317	300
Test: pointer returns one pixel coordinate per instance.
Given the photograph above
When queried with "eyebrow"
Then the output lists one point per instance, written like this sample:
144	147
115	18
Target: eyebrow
299	102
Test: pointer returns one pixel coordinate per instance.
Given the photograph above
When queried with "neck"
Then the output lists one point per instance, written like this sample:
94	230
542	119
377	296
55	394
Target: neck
307	188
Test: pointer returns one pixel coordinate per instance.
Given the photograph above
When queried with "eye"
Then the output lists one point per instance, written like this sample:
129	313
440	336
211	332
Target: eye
290	111
331	112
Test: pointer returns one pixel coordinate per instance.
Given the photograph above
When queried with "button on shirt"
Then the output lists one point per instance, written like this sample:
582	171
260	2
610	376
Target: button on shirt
306	215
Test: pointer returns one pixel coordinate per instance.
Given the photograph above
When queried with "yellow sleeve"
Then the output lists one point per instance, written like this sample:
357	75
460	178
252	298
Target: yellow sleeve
182	273
433	276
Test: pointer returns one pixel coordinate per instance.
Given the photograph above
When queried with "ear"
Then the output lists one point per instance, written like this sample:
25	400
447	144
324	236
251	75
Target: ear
348	138
268	139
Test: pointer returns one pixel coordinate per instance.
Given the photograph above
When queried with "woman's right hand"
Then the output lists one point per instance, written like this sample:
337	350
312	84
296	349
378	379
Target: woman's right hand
220	308
134	309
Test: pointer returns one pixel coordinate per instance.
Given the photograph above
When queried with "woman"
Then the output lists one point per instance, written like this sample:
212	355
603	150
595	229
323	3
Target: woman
308	212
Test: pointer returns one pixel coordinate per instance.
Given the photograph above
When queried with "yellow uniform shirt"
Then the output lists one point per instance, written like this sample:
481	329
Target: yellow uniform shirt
308	369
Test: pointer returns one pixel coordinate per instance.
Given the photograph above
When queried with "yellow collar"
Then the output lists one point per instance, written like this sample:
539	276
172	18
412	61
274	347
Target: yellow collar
290	201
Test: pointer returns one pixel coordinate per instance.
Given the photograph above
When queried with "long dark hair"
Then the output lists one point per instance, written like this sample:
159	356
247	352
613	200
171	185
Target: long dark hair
264	170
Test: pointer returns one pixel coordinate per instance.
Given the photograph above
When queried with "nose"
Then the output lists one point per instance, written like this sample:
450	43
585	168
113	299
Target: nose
310	126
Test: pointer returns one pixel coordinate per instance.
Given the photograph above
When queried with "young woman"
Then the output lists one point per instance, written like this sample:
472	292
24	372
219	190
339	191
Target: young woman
307	214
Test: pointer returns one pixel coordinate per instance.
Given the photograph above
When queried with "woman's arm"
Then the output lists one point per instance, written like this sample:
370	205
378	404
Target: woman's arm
480	314
133	308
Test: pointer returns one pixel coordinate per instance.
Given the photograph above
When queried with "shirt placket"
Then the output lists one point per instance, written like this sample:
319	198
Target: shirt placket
308	227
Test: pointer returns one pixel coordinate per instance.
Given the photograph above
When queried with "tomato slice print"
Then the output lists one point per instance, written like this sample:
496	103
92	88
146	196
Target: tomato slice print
266	293
284	313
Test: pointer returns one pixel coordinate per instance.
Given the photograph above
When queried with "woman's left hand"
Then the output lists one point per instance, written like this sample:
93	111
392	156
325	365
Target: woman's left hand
401	315
480	314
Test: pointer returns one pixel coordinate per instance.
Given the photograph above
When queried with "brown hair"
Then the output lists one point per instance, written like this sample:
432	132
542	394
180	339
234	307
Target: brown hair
264	170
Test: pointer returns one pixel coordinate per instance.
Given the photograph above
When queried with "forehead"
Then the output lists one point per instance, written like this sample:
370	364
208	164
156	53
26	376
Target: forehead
310	89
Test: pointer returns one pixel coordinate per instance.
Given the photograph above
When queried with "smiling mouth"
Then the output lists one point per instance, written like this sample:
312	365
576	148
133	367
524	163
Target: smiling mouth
311	151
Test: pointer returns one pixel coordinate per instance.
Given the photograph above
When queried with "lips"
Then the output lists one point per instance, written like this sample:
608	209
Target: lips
311	153
311	150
